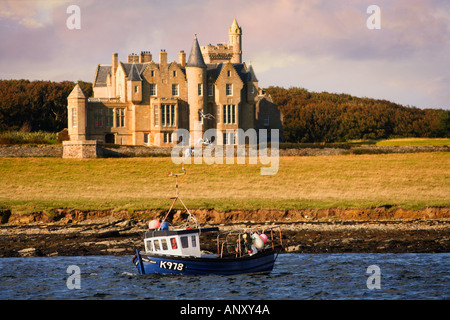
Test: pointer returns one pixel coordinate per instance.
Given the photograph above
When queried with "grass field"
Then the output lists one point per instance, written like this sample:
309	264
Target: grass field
414	142
412	180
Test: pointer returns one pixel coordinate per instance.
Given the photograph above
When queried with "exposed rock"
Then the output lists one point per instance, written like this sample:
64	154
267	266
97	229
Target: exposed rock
123	237
29	252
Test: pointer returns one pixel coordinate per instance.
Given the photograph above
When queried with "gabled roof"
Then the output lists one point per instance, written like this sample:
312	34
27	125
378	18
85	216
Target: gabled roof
196	57
101	75
134	74
213	71
140	67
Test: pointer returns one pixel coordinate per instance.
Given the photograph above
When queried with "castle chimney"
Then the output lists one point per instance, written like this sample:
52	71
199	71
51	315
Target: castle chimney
115	62
182	59
163	57
145	57
133	58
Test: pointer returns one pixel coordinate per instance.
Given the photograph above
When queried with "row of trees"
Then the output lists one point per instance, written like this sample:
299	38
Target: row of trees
35	105
308	116
327	117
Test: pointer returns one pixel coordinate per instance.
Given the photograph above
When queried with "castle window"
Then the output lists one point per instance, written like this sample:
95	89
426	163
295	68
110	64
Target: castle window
174	73
152	73
156	120
167	115
175	90
167	137
74	118
229	114
152	89
172	115
200	89
229	73
109	115
146	135
210	90
120	117
98	118
229	89
136	89
229	138
266	120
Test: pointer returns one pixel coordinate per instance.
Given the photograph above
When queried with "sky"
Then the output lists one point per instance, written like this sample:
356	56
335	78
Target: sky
319	45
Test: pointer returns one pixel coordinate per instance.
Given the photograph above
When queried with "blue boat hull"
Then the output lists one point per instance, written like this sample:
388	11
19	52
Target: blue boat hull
262	262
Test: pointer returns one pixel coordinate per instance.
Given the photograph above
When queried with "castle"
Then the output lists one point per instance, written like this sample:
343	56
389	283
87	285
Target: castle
141	102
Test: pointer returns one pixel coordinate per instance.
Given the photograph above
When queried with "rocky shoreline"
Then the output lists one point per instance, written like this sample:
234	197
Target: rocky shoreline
110	235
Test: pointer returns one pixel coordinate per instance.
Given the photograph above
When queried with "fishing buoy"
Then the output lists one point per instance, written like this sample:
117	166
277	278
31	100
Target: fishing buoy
257	241
164	226
154	224
263	237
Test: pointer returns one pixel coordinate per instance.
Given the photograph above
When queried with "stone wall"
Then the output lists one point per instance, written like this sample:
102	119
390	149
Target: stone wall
81	149
31	151
143	151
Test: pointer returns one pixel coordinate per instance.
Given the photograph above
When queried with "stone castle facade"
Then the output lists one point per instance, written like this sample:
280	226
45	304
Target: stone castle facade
142	102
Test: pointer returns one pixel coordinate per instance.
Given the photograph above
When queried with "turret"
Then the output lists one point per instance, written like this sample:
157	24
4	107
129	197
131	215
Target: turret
134	85
76	110
235	40
252	85
197	84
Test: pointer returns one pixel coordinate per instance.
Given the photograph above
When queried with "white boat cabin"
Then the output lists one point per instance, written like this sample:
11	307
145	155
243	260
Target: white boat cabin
185	242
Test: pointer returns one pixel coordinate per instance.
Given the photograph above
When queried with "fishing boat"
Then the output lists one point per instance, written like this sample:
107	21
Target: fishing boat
177	250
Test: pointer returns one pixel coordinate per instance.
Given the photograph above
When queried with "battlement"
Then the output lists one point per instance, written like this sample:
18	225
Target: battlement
216	54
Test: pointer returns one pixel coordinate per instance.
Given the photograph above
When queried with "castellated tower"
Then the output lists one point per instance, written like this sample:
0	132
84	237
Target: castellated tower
76	110
235	40
196	85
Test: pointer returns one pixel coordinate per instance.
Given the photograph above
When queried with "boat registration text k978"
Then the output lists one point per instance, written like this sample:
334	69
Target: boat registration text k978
171	265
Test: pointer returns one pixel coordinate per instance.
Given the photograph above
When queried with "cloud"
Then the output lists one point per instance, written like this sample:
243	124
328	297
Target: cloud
30	14
321	45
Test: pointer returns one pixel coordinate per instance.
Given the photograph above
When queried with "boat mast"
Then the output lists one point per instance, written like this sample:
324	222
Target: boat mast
177	197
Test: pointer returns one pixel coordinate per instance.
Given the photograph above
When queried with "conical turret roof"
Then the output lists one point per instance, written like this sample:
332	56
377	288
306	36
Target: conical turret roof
77	92
235	27
196	57
251	74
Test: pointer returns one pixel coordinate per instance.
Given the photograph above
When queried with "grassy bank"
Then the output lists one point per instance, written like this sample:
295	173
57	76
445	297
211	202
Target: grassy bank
414	142
408	180
18	137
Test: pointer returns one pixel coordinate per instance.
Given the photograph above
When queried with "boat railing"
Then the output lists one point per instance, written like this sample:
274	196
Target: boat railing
233	243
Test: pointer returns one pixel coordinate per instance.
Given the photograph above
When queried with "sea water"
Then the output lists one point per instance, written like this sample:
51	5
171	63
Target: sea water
294	277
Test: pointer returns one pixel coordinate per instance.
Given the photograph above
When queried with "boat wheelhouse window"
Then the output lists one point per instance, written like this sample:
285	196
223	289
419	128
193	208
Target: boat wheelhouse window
194	242
164	244
173	242
149	245
184	242
156	242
